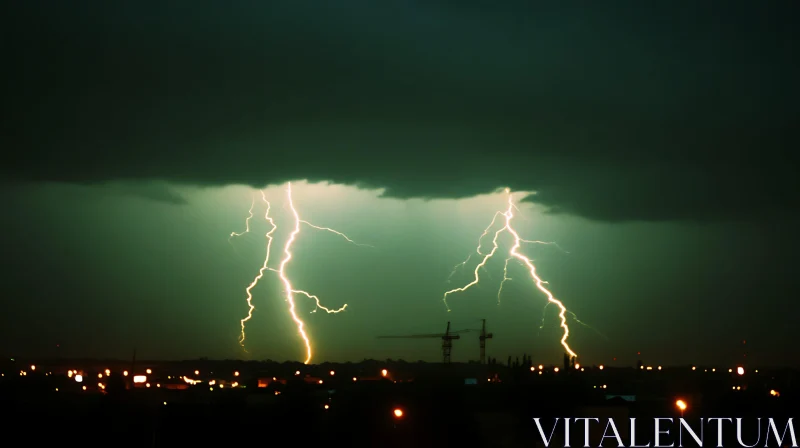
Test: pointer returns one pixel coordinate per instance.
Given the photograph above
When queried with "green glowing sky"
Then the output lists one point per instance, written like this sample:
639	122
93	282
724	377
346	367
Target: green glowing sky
99	271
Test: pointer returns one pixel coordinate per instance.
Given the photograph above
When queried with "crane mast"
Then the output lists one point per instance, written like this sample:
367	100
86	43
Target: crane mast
483	337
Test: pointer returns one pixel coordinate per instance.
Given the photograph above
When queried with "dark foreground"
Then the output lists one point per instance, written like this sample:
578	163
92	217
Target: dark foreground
358	414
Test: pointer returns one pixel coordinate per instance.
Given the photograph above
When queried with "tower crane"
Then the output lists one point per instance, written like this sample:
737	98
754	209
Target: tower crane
483	337
447	340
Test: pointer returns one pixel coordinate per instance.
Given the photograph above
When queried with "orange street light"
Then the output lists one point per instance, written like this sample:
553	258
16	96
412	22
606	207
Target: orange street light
681	405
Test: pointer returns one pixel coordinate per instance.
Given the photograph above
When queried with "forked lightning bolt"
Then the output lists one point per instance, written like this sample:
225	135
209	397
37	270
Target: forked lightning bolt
289	290
287	284
514	253
264	267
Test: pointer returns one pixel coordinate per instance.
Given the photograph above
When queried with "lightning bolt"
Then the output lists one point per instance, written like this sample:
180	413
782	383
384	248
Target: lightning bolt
264	266
289	290
514	253
457	267
246	221
328	229
505	279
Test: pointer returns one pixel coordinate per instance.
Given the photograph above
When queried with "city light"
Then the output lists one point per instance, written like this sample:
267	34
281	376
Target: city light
78	378
125	373
384	372
188	380
108	372
33	368
236	373
601	367
740	371
398	413
148	371
139	379
333	373
681	406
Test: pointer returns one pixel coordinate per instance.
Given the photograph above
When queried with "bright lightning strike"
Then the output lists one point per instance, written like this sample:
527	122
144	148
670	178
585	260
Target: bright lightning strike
287	284
281	271
508	214
264	267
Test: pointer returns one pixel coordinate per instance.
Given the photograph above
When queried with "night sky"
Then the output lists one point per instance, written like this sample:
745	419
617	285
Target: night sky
659	139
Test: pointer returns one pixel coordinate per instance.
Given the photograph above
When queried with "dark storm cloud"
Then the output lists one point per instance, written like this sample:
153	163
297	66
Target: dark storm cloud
152	191
681	110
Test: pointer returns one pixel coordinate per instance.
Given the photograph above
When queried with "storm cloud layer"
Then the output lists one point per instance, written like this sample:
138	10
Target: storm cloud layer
636	111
